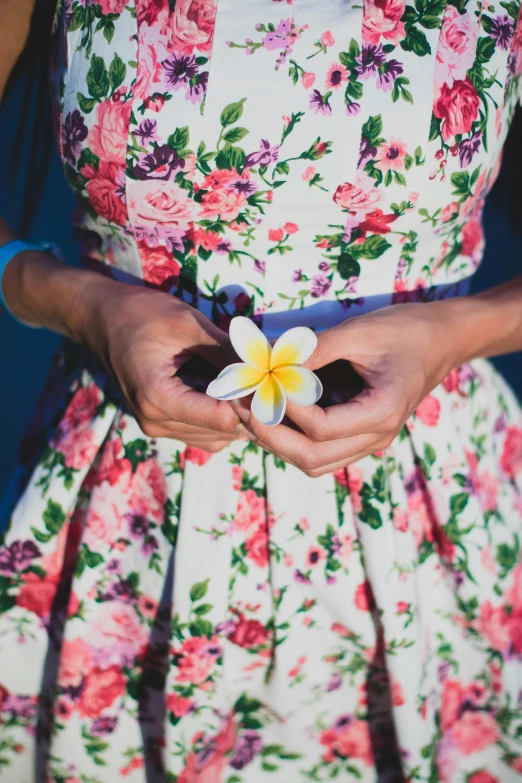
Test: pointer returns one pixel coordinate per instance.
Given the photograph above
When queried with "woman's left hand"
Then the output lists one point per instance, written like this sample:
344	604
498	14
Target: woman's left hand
401	353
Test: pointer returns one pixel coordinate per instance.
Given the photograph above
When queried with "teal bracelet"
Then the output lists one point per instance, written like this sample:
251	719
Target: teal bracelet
11	249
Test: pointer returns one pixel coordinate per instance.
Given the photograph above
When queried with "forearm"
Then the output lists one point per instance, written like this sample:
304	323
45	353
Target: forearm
486	324
41	290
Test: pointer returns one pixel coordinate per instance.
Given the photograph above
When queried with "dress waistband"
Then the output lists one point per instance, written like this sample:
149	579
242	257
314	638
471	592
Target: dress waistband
322	315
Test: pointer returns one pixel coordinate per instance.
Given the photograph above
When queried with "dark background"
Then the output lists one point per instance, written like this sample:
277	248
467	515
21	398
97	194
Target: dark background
25	353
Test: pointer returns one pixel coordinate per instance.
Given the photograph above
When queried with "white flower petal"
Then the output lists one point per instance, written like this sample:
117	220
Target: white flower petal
250	343
235	381
300	385
269	403
294	346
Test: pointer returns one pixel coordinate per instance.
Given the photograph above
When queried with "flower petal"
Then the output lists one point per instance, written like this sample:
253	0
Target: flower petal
250	343
300	385
294	346
235	381
269	403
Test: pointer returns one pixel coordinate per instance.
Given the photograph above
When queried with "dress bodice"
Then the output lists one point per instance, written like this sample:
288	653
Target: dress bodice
265	157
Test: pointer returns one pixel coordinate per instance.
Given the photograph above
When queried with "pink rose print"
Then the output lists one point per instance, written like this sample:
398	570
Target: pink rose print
457	46
250	512
105	190
107	138
75	663
382	20
190	27
511	459
158	264
457	107
100	691
159	210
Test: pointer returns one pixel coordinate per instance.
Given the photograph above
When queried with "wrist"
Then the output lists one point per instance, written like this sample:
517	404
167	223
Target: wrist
471	326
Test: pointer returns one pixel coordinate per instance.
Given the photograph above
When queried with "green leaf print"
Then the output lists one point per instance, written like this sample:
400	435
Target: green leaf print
117	71
372	129
231	158
458	503
85	104
109	30
372	248
198	590
347	266
370	515
485	49
97	78
235	134
232	113
416	42
53	517
179	139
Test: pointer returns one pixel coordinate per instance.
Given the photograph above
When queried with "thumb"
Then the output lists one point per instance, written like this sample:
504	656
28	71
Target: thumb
211	343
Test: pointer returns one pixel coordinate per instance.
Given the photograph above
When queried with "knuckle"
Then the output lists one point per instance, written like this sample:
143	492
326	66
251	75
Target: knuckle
308	462
149	429
215	448
141	401
226	421
317	431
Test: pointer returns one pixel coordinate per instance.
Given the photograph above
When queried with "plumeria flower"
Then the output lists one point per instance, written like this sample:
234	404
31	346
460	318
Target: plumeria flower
271	373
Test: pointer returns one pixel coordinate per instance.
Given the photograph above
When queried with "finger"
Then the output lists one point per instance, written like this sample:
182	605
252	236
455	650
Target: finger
373	410
179	403
295	447
335	466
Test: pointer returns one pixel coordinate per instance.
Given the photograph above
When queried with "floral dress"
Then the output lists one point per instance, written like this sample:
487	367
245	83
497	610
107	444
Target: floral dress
174	616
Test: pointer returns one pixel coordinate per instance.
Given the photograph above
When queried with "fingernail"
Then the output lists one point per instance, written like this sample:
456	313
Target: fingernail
243	414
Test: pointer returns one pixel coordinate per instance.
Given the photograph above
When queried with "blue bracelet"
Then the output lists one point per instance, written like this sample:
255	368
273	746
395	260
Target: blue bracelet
11	249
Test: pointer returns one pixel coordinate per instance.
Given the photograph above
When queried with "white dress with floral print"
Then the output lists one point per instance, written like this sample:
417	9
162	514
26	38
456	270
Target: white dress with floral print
170	615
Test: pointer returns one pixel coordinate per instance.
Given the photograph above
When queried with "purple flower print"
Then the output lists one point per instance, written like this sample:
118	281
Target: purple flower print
120	591
260	266
321	284
371	57
297	276
214	650
319	103
225	246
468	148
74	132
342	721
179	69
385	80
280	38
353	109
502	31
246	748
242	186
365	151
138	525
104	725
197	88
335	682
301	578
264	156
18	556
22	707
146	131
161	163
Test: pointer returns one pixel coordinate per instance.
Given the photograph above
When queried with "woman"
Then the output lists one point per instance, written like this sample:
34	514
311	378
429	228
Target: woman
189	595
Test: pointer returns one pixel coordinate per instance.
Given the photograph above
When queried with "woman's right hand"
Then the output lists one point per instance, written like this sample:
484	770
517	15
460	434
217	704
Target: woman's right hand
141	336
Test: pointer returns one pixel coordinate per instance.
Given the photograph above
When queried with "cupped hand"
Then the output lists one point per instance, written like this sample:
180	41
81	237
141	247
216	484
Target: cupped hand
144	337
401	353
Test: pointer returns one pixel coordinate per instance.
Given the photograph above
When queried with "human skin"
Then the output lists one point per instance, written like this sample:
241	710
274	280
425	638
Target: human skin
143	337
